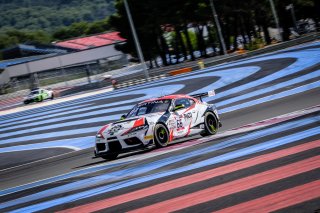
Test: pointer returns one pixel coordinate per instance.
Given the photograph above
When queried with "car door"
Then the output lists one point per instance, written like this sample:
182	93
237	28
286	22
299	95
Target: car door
183	114
45	94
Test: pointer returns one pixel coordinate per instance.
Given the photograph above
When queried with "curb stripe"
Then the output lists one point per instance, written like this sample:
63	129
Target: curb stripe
232	187
106	203
278	200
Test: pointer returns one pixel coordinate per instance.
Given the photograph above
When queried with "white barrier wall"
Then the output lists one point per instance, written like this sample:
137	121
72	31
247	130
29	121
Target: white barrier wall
58	61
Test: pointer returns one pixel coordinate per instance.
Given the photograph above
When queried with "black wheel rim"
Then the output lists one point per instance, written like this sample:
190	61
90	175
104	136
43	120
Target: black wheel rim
162	135
211	123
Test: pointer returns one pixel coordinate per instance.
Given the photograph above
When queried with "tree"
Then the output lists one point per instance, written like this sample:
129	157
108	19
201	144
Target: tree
52	15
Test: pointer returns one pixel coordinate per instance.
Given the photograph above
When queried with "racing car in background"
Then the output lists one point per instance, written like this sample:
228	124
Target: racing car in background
38	95
157	122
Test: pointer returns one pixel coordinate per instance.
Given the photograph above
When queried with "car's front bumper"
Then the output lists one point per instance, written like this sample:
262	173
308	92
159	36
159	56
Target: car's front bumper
31	100
121	144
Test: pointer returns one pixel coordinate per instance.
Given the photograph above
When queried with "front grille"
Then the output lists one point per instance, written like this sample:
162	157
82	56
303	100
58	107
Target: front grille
133	141
112	138
114	146
101	147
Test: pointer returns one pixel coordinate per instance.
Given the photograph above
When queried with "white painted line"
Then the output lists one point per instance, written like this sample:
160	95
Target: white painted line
55	101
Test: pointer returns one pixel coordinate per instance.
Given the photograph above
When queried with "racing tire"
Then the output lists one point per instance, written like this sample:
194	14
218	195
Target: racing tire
111	156
52	97
211	124
161	135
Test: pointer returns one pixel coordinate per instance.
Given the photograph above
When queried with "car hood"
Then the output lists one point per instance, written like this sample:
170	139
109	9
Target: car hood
124	126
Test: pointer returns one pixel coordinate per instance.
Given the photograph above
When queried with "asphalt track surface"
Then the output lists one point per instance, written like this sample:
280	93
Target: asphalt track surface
45	153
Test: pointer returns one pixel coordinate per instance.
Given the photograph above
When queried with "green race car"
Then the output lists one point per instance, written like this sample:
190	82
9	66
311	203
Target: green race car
38	95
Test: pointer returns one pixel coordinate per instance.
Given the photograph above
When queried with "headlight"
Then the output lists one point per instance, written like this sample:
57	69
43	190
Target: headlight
99	135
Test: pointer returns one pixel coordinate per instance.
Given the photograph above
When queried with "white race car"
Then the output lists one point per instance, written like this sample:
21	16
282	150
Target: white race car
38	95
157	122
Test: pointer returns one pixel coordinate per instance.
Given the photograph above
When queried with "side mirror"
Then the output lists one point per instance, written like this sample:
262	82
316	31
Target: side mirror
124	116
179	106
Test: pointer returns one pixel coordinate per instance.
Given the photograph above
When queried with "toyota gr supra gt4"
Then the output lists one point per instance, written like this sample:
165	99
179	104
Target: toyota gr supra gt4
157	122
38	95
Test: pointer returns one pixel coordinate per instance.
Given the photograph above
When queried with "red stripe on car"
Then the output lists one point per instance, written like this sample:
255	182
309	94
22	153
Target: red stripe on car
102	129
139	122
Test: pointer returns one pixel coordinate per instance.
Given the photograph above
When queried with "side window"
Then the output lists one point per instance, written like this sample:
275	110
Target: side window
187	103
191	102
142	111
183	101
133	112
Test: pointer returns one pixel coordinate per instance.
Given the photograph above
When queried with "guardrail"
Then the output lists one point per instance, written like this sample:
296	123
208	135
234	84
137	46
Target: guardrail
180	71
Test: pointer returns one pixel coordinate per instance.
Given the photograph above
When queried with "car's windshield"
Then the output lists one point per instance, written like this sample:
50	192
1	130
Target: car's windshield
150	107
34	92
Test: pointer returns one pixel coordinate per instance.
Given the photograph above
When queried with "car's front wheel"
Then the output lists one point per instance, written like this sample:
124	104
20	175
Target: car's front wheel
211	124
161	135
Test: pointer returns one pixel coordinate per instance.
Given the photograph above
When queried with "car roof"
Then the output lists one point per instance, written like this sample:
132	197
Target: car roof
167	97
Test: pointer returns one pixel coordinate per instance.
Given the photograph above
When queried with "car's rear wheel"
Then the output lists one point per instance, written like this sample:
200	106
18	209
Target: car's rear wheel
211	124
110	156
161	135
52	96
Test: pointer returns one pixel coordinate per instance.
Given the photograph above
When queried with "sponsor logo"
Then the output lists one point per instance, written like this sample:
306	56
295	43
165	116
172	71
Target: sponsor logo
155	102
148	137
115	129
188	116
179	124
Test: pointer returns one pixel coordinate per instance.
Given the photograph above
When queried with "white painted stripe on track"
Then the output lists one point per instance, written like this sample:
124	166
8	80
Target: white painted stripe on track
60	100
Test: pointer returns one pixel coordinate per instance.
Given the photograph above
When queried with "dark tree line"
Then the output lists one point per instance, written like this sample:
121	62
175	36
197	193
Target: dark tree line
43	21
51	15
12	37
177	28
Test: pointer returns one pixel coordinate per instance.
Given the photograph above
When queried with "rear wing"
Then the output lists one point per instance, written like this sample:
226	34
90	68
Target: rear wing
205	94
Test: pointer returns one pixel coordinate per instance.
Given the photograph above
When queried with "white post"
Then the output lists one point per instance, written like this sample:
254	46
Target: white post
136	41
276	19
